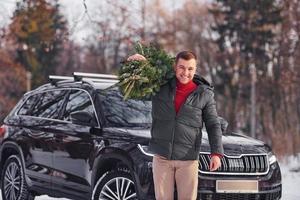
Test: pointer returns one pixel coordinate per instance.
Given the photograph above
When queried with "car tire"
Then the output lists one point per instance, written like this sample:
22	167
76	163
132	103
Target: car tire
115	185
13	184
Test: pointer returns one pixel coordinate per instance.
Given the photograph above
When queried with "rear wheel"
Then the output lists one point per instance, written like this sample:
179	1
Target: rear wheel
13	184
115	185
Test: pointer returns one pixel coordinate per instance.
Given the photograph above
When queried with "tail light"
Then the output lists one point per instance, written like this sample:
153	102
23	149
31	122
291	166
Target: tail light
2	130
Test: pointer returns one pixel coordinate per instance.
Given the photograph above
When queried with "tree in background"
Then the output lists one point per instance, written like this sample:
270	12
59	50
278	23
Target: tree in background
12	81
161	26
246	32
115	31
38	30
186	27
193	32
282	115
71	59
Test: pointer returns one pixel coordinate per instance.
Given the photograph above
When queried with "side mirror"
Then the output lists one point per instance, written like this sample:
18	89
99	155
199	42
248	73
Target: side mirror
224	124
83	118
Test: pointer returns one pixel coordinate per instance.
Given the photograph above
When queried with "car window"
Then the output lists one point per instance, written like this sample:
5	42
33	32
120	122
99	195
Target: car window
45	104
121	113
28	104
78	100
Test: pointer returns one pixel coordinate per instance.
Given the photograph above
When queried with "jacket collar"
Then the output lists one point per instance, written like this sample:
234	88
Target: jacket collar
202	83
199	80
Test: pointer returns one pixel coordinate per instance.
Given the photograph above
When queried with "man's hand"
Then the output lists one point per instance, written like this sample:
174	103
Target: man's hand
137	57
215	163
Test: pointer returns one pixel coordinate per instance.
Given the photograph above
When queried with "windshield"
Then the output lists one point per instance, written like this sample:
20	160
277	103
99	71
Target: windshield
124	113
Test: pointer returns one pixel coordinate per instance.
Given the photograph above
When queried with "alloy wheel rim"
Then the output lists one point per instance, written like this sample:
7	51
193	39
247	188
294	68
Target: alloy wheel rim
118	188
12	181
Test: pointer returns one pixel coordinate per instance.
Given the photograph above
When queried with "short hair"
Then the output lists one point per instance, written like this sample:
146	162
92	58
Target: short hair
186	55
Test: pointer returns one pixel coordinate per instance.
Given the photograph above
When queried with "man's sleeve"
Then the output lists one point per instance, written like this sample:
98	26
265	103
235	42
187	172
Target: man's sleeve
213	125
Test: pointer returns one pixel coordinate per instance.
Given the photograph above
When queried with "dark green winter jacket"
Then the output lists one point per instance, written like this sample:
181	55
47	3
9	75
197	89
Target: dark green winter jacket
178	136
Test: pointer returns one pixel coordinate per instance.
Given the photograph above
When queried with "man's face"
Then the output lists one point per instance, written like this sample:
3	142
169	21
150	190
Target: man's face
185	70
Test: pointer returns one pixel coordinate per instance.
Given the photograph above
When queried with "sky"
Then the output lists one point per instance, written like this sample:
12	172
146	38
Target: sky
73	10
80	22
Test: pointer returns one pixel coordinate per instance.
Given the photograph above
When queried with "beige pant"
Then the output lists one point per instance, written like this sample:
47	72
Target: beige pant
168	172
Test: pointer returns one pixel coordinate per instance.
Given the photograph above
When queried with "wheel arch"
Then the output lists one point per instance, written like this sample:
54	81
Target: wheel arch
8	149
111	159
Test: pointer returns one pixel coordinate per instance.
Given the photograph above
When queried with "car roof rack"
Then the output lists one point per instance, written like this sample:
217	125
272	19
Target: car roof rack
54	79
80	75
85	77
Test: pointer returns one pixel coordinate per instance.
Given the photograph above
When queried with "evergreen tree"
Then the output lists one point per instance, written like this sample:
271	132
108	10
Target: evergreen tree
246	31
38	30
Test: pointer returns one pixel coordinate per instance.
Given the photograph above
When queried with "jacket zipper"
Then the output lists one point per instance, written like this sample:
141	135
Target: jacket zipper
173	136
175	120
173	130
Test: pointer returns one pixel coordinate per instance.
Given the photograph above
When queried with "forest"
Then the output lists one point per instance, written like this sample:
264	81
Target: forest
249	50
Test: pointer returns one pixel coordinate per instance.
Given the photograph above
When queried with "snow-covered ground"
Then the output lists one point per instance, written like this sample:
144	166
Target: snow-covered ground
290	169
44	197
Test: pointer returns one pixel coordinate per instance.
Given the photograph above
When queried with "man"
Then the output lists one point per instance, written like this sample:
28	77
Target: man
178	111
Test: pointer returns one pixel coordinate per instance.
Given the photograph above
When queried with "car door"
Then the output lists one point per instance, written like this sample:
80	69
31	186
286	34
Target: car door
73	149
38	115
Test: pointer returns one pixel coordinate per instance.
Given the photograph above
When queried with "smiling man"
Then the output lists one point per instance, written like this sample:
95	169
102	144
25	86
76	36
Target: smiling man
178	111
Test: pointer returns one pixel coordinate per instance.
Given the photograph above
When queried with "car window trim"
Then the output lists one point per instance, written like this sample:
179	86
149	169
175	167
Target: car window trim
91	99
30	95
65	101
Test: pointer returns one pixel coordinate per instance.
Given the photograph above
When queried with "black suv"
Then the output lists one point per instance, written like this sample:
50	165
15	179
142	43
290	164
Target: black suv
77	138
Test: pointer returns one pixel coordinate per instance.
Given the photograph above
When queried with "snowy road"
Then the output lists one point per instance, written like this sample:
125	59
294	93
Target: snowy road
290	168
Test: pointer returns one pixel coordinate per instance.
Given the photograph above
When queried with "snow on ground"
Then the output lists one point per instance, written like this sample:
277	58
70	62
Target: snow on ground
290	169
44	197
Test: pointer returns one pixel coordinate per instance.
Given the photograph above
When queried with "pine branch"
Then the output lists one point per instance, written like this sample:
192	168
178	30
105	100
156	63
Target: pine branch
142	79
